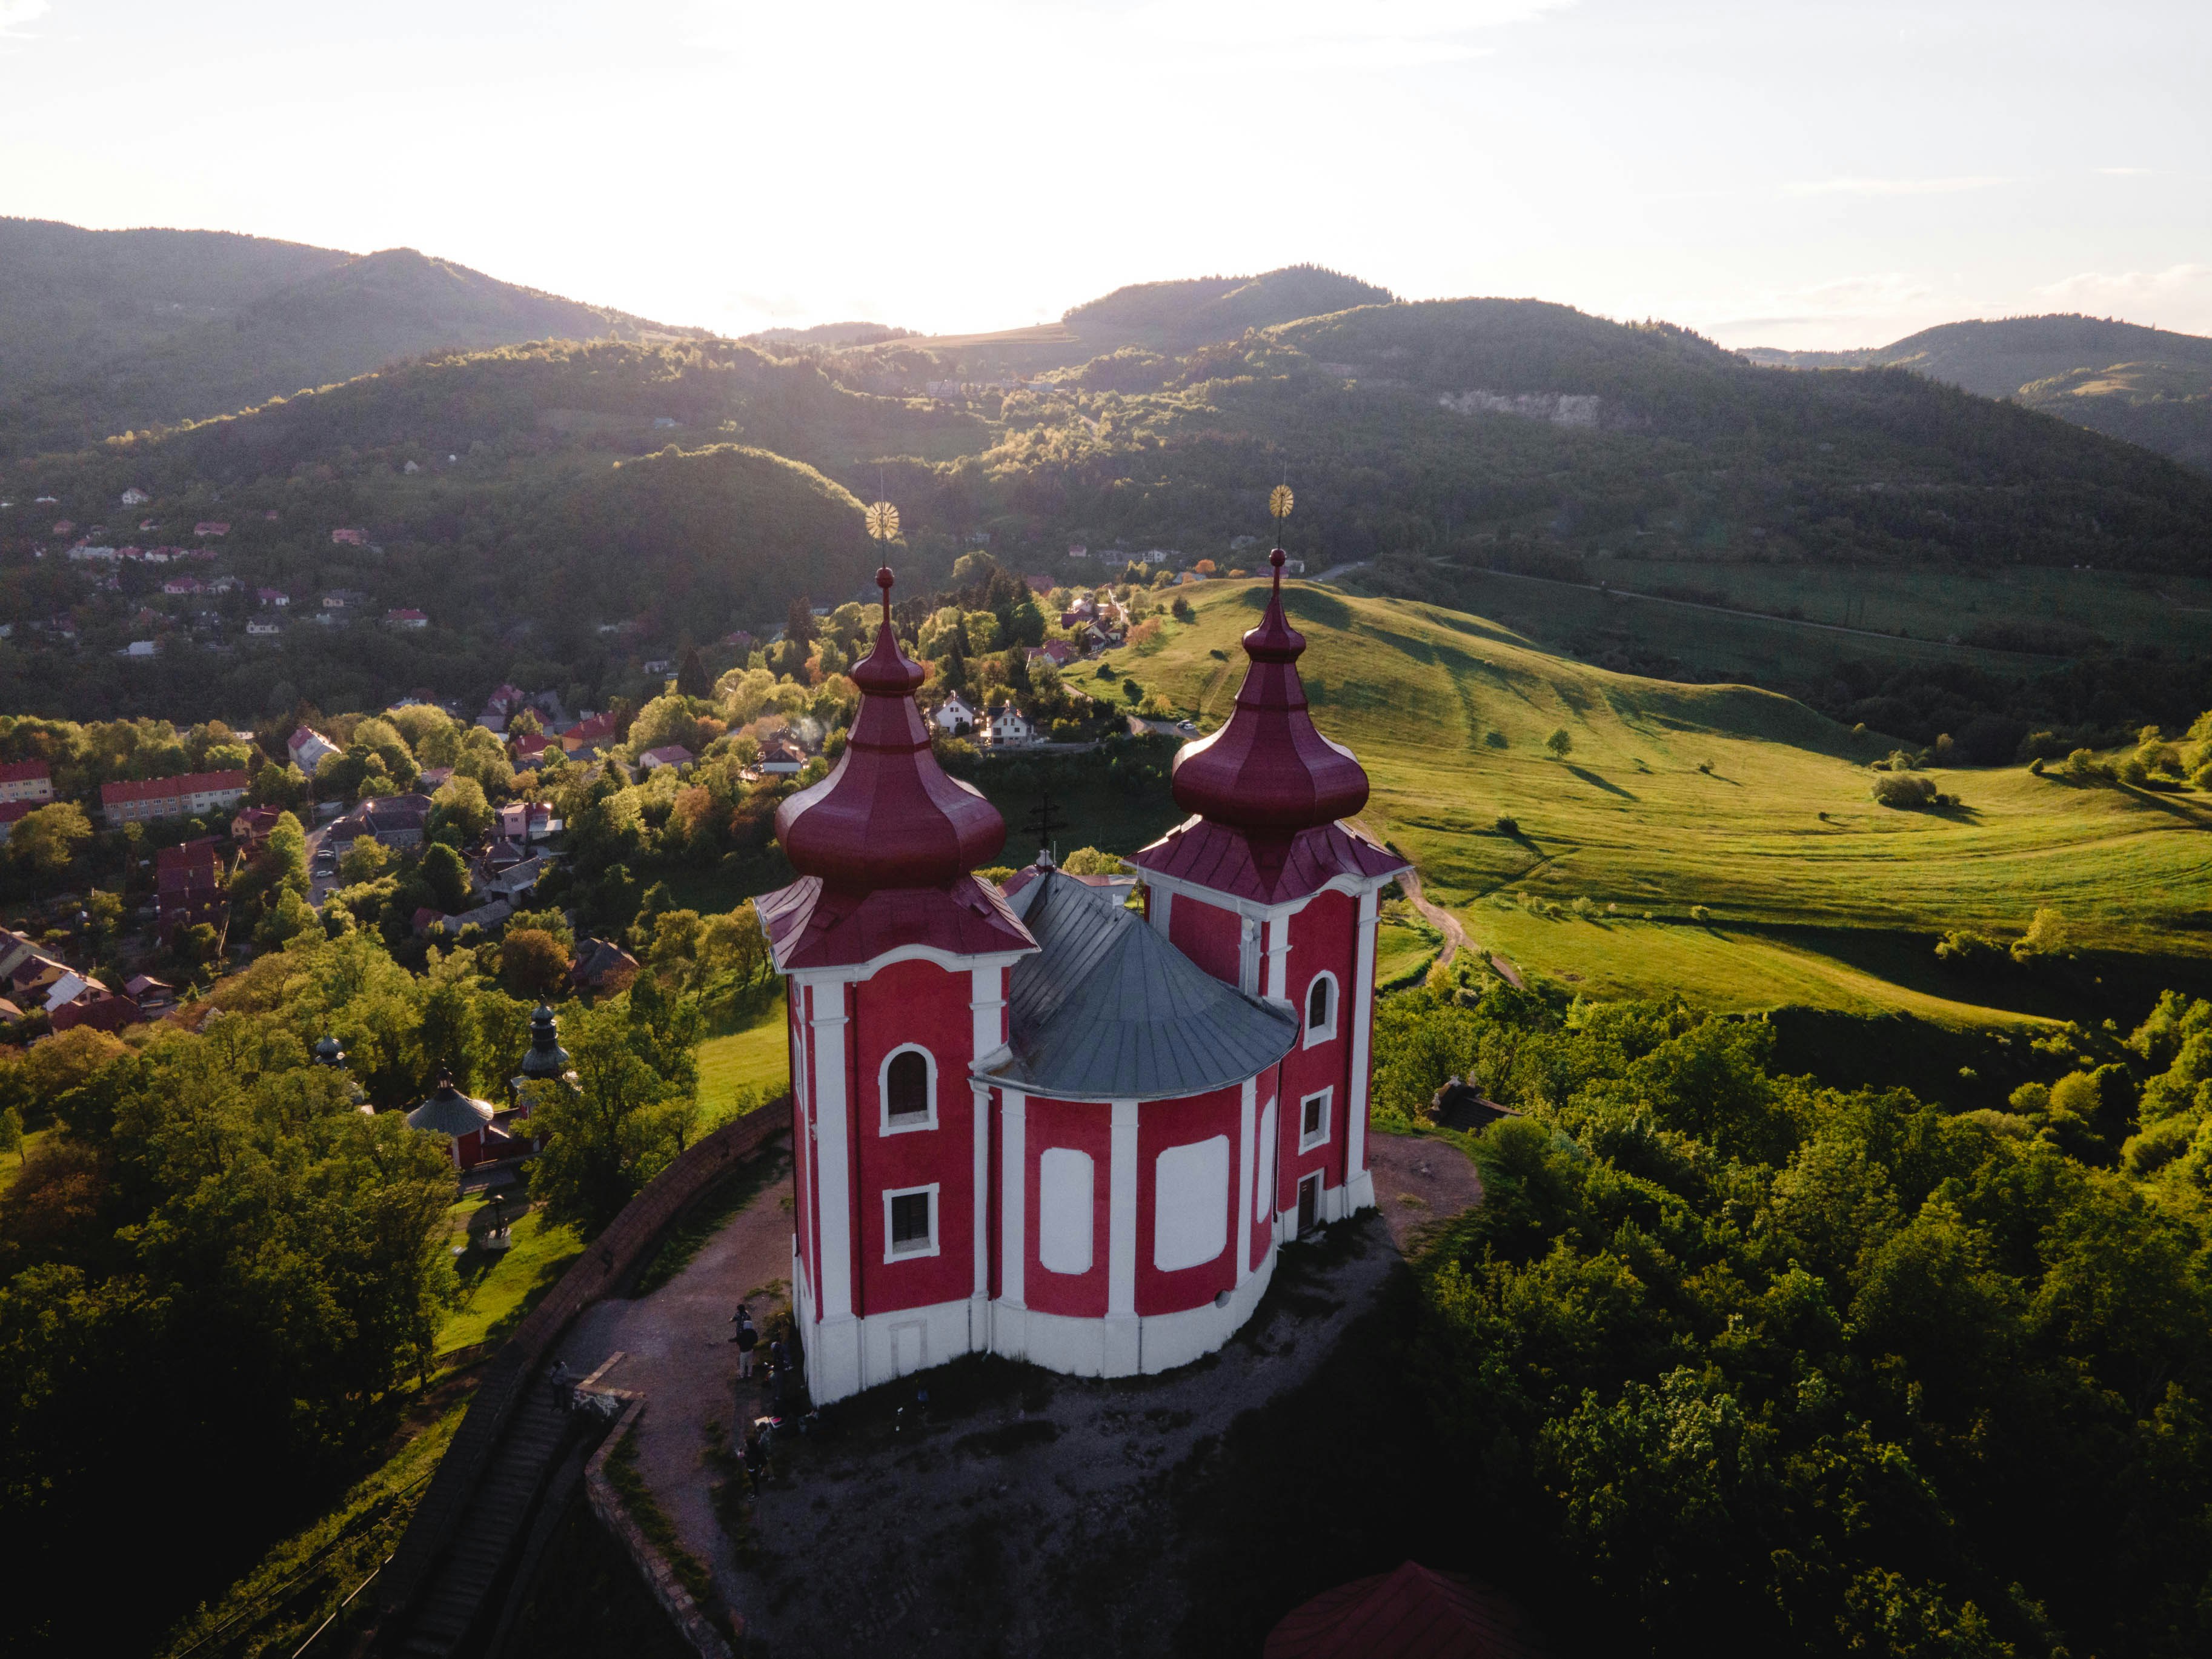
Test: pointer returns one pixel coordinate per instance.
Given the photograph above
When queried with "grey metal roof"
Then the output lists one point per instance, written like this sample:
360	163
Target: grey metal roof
449	1112
1109	1010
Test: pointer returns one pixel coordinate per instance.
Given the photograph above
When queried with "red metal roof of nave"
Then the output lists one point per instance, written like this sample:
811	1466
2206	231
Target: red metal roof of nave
1269	771
888	817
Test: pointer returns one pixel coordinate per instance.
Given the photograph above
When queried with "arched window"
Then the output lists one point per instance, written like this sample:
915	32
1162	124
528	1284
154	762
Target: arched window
1321	1008
910	1091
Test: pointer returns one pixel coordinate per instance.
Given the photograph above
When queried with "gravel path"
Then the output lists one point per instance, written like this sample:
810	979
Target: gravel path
931	1513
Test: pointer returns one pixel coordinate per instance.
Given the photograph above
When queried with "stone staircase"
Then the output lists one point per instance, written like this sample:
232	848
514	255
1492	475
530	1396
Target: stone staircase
460	1585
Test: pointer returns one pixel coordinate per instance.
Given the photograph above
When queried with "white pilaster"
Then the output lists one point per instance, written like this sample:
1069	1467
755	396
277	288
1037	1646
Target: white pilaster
1241	1233
1124	1346
1359	1183
1279	960
1161	903
840	1362
1013	1241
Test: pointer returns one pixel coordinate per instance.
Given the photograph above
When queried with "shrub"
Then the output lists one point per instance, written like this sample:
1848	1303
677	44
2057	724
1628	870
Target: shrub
2133	773
1906	791
1698	912
1585	907
1507	824
1561	743
2049	934
1705	767
1496	739
2084	766
1973	951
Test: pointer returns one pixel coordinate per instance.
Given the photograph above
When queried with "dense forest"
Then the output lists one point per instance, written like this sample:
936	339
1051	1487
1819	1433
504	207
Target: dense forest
1731	1361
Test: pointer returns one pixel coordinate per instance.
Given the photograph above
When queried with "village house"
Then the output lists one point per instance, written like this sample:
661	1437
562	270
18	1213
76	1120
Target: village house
251	828
134	496
1040	586
390	820
589	732
525	821
27	780
953	715
1008	728
139	648
183	585
405	618
210	528
188	886
672	754
273	599
530	749
348	538
307	747
1078	550
262	627
781	757
76	1001
1058	653
193	794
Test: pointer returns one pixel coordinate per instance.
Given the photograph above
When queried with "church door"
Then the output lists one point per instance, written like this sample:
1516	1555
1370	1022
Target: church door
1309	1203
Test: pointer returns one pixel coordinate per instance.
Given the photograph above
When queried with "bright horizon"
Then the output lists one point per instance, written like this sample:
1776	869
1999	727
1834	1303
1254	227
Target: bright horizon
1814	176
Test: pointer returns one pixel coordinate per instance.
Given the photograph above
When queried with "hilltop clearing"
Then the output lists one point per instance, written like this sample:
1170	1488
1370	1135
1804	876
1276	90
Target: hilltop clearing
1676	801
2149	386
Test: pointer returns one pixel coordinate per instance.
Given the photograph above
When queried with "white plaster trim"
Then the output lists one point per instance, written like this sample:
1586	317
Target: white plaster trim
1161	901
926	1118
1013	1184
909	1252
1121	1213
944	959
833	1172
1241	1232
1319	1137
1168	886
1315	1036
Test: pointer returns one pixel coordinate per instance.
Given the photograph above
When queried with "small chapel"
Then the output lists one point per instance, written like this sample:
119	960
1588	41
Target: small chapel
1032	1121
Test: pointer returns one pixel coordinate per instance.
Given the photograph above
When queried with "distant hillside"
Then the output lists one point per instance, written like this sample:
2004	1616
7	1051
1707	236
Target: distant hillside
2146	386
206	323
1192	313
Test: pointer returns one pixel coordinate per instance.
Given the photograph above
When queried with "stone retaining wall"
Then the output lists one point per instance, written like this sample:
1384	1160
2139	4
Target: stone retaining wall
652	1566
605	1264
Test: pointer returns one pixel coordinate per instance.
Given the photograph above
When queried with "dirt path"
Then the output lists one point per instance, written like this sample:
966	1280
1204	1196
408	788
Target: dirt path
982	1506
1436	915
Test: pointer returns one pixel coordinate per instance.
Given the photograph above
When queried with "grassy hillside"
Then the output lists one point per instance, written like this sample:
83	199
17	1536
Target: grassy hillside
2149	386
262	320
1450	713
1180	315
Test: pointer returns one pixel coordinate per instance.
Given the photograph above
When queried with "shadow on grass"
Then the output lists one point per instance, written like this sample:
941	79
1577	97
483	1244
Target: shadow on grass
1595	781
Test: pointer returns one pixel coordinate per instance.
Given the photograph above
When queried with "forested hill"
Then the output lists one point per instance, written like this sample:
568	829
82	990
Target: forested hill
109	331
1199	310
1429	439
2149	386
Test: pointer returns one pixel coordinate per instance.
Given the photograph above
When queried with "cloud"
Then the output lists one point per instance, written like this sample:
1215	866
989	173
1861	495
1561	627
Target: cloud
14	13
2124	172
1892	187
2175	295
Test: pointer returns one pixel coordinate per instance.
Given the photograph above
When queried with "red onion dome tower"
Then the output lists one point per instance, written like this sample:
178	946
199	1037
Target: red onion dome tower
887	821
1267	789
1265	888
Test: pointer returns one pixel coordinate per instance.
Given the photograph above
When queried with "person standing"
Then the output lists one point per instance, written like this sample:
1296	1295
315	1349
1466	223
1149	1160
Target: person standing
747	1340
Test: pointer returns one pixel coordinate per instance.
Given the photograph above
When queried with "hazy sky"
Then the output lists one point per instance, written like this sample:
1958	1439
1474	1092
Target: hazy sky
1806	174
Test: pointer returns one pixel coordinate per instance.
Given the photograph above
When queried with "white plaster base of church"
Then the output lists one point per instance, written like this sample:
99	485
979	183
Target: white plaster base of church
845	1354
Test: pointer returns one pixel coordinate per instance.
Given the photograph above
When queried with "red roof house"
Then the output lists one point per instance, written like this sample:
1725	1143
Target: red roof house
1411	1613
210	528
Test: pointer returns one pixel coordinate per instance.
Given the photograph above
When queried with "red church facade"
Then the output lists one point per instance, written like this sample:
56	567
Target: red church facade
1035	1122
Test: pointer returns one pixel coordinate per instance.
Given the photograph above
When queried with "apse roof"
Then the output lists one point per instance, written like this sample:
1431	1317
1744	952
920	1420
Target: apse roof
449	1112
1108	1010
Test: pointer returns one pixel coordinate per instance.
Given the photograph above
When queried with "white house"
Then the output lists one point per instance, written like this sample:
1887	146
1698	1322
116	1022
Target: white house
1008	728
134	496
306	747
954	713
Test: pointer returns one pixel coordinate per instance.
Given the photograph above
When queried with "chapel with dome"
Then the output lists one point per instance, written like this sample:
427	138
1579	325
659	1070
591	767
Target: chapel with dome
1031	1120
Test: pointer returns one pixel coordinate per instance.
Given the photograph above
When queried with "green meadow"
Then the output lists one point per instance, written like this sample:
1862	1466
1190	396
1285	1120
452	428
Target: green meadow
1724	838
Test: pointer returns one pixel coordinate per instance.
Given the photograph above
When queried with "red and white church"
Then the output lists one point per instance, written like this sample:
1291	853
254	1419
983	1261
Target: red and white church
1033	1121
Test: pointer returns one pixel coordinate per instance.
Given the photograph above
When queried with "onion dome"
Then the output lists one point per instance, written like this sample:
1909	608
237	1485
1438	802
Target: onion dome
327	1052
545	1059
888	817
446	1111
1269	771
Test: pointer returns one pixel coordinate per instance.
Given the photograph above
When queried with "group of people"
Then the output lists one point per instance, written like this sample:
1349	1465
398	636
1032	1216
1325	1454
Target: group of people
779	1382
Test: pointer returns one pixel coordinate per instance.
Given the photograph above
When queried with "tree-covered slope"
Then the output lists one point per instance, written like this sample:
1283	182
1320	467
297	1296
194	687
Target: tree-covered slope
262	324
2146	386
1193	311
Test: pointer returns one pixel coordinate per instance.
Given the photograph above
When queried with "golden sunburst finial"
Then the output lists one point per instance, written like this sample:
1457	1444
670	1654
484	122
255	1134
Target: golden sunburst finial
1279	500
882	521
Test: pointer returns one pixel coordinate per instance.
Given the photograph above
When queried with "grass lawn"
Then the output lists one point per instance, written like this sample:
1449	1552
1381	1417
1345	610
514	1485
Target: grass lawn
1675	796
498	1287
1404	948
734	1067
11	1164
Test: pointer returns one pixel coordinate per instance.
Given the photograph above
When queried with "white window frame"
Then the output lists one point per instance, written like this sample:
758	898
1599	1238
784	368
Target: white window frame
893	1252
900	1126
1317	1035
1319	1137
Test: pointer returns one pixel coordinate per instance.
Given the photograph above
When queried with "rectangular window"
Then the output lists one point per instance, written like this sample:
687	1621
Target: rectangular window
1313	1120
910	1223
